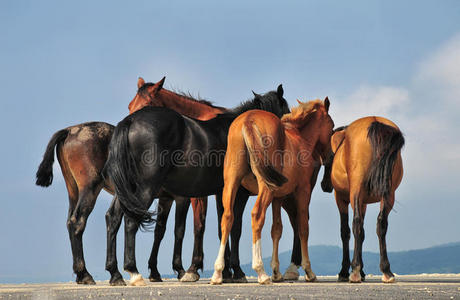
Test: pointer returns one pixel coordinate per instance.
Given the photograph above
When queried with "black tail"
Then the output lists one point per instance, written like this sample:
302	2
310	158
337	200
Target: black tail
386	142
121	169
45	170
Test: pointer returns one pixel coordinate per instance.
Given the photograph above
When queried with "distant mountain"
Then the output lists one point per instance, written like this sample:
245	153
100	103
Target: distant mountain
327	260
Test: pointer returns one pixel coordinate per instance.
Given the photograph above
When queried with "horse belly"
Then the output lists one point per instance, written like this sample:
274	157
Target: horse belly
194	182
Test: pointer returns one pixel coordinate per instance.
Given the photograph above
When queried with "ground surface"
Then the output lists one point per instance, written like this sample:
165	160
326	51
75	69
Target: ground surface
430	286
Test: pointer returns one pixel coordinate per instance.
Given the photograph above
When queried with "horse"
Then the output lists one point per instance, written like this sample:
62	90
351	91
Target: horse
273	158
157	149
82	151
366	168
199	207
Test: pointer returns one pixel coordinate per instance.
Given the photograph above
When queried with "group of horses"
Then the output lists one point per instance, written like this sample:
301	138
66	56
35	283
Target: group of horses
177	148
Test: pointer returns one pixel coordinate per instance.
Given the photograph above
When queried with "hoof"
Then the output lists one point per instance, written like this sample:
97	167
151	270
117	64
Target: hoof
310	278
136	280
190	277
239	280
216	278
291	273
355	277
155	279
277	277
388	278
180	274
264	279
343	276
291	276
86	279
117	280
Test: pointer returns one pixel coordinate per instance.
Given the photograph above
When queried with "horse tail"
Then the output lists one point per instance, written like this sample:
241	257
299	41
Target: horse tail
258	154
122	170
45	170
386	142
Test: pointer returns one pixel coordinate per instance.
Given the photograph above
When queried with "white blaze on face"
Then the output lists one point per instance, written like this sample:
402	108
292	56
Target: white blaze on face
257	263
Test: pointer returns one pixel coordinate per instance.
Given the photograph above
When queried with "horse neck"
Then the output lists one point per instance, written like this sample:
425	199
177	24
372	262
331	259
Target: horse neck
310	134
187	106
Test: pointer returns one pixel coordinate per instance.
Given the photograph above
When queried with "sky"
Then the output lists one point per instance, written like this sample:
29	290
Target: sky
64	63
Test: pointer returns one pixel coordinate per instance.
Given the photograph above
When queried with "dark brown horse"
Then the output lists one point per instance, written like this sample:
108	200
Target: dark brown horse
367	168
82	152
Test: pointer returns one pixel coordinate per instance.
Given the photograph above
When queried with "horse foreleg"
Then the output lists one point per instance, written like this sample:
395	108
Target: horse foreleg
382	225
276	232
164	207
182	206
199	206
342	201
113	219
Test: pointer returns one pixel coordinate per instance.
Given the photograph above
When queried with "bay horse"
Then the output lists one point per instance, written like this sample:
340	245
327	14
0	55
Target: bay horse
367	168
157	149
82	152
273	158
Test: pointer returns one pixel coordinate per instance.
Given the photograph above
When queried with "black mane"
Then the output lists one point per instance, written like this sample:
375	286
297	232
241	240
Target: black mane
269	101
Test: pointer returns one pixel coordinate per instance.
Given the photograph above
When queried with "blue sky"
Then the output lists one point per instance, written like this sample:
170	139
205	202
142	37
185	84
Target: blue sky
64	63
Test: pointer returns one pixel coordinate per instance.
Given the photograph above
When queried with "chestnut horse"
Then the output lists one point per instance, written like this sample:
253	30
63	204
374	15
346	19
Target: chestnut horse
367	168
273	158
82	152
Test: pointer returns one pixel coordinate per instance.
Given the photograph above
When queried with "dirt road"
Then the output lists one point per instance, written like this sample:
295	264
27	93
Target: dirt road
425	286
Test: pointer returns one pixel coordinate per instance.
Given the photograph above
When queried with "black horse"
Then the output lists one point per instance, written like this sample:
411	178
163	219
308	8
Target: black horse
157	149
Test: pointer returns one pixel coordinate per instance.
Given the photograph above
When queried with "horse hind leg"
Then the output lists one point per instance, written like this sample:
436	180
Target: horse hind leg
342	201
227	276
276	232
382	226
113	218
258	219
164	207
303	196
241	199
292	272
146	195
76	226
228	201
359	211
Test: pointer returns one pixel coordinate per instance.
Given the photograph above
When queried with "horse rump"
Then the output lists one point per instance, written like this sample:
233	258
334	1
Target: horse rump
386	142
258	156
122	170
44	173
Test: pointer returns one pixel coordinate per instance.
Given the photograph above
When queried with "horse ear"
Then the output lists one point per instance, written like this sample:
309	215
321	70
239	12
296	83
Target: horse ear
159	84
255	94
298	101
327	103
140	82
280	91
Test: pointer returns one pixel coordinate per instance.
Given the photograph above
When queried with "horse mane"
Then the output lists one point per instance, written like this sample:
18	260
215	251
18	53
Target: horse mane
300	114
263	102
187	95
